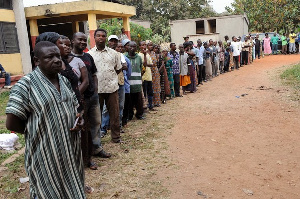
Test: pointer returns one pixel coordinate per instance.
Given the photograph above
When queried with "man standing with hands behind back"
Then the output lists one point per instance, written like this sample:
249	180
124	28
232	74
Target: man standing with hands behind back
108	64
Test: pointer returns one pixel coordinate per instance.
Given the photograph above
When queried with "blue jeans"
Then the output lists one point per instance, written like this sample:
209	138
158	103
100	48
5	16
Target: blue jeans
7	79
274	48
105	114
92	112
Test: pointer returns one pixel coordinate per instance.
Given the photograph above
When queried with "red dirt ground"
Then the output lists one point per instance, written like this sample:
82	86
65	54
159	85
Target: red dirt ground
224	145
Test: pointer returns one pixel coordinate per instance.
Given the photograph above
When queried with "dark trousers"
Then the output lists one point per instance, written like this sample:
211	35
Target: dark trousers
200	73
112	104
245	57
148	92
136	101
257	53
126	109
236	61
176	78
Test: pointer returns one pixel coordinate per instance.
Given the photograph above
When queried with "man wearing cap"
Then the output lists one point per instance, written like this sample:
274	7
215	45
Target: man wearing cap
109	65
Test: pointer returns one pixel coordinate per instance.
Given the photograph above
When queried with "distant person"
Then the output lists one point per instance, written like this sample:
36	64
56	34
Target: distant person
186	38
267	44
236	52
42	105
257	47
123	35
5	75
292	44
274	42
284	43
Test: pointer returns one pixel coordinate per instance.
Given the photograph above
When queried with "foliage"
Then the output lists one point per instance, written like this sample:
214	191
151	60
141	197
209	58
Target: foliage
269	15
292	76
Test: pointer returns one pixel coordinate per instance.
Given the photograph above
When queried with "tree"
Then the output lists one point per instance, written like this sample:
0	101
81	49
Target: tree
269	15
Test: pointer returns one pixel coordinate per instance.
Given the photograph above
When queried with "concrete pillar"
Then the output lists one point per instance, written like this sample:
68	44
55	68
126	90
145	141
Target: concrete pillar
92	27
75	26
34	31
22	35
126	26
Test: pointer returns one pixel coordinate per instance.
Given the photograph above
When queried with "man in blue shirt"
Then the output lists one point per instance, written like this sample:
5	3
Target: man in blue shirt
5	75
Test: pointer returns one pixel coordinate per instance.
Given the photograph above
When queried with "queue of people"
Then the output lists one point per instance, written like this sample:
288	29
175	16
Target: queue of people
72	98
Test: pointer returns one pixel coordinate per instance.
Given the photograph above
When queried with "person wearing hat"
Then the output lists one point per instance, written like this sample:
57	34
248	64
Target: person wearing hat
109	65
125	45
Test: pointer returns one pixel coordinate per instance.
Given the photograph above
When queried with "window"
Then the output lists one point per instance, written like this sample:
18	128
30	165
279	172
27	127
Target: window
8	38
6	4
200	27
212	25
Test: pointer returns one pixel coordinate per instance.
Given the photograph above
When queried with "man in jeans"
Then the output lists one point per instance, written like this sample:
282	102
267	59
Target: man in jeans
175	66
274	42
5	75
90	139
108	64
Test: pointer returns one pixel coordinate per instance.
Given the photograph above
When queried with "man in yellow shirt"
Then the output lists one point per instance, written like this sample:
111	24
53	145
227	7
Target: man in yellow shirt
292	45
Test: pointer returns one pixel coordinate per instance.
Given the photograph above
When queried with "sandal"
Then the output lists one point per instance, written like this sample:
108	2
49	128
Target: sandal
88	189
93	165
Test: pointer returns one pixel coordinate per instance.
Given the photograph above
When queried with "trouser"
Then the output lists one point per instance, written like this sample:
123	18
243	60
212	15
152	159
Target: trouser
292	47
137	103
176	78
208	68
7	79
148	93
105	114
245	55
257	53
215	67
126	109
200	73
236	61
221	66
274	48
112	104
90	137
226	66
284	49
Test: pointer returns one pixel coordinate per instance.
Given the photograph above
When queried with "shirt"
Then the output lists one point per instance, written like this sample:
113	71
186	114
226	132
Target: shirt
76	65
292	40
107	62
201	52
53	154
147	76
183	64
127	74
283	40
245	43
274	40
92	70
236	46
175	59
135	79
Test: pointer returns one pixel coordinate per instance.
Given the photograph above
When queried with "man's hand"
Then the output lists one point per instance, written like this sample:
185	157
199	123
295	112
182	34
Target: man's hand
79	122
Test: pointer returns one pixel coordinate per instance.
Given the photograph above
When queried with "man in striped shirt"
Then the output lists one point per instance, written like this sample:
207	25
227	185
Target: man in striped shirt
43	106
135	82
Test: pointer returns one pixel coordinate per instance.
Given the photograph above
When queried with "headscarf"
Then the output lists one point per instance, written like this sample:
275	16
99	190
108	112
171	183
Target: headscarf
48	36
164	47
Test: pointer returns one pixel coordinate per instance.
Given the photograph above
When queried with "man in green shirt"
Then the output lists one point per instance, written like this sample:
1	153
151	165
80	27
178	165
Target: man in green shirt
274	42
284	43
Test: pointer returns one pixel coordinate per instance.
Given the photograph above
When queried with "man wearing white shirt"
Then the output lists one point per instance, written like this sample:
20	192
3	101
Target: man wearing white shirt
201	71
236	52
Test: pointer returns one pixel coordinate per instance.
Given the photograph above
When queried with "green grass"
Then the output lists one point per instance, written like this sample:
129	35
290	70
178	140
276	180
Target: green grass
291	76
3	101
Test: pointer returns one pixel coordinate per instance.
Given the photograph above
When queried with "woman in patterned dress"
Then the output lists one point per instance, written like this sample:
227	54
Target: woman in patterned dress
168	66
155	75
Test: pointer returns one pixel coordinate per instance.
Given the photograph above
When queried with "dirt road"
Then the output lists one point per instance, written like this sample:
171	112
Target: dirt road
225	145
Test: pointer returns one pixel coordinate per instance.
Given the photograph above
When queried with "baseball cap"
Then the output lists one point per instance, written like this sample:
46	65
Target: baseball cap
113	37
125	41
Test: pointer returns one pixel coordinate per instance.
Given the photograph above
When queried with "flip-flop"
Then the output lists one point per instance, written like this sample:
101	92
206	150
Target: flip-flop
88	189
93	166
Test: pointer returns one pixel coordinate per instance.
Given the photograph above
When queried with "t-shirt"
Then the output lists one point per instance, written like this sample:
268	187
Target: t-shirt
236	48
292	40
91	69
147	76
77	64
283	40
274	40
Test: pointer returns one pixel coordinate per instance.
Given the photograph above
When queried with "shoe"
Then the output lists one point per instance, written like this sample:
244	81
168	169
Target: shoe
88	189
103	154
141	118
152	109
117	141
122	131
7	87
92	165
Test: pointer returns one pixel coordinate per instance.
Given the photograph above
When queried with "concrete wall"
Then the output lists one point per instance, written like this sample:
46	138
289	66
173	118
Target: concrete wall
235	25
145	24
182	28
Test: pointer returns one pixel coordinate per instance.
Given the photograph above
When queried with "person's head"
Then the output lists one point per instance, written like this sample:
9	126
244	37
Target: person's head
220	43
125	45
199	43
228	49
181	48
142	46
119	47
229	43
79	42
267	35
132	48
47	57
226	38
52	37
205	45
215	43
173	46
164	49
67	46
100	37
292	32
234	39
211	42
246	38
186	46
123	30
150	45
113	41
156	49
186	38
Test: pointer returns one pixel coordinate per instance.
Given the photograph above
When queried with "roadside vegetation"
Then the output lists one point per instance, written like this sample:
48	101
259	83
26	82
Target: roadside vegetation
291	77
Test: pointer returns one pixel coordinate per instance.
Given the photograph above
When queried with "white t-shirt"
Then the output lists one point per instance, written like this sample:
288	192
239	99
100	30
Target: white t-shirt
76	65
236	48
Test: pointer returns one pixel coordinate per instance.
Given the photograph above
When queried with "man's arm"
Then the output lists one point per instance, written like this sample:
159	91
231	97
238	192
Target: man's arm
14	123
